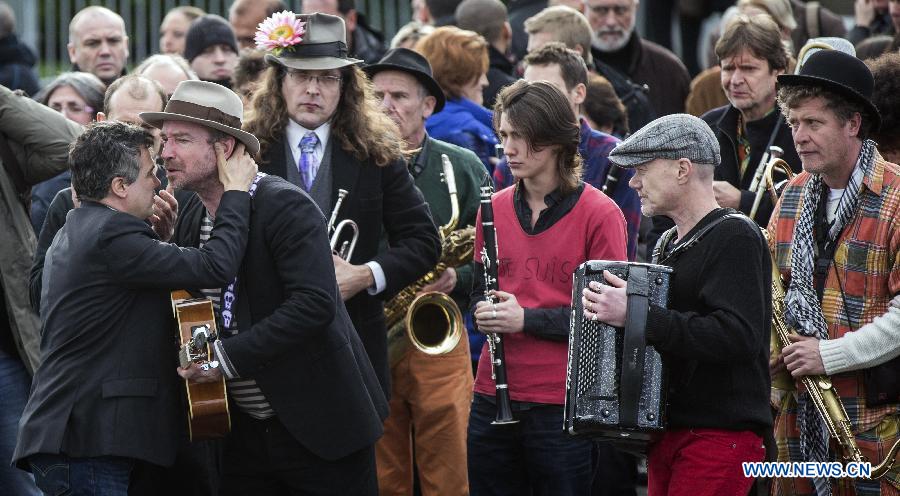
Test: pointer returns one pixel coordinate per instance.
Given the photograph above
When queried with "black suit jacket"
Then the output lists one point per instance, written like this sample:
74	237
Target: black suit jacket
107	384
382	200
295	337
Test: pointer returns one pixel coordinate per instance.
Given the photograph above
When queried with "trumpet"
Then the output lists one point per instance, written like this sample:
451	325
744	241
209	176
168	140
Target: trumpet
766	182
336	232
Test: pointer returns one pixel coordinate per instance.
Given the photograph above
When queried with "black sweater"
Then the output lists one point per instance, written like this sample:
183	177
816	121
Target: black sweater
714	337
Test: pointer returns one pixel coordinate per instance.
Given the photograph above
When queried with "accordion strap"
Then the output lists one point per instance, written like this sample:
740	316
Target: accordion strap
634	345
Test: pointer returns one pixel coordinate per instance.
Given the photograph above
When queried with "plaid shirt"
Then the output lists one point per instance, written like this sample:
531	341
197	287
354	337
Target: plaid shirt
594	149
867	266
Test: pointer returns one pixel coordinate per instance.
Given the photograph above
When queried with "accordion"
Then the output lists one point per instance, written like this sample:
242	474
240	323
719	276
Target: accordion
615	383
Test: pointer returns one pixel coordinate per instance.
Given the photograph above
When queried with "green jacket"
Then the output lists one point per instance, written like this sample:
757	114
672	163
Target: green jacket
38	139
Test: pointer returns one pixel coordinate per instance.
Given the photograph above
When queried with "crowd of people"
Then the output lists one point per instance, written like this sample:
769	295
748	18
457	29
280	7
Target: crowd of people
229	163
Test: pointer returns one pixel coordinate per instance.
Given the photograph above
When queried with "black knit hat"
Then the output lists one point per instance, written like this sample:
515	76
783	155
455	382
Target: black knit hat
206	31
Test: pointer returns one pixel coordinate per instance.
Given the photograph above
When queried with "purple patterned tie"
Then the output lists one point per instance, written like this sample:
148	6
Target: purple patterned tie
308	166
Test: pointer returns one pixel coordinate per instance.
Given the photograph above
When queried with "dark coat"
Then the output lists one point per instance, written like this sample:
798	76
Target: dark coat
39	139
723	122
500	74
17	66
381	200
813	23
107	384
647	63
295	337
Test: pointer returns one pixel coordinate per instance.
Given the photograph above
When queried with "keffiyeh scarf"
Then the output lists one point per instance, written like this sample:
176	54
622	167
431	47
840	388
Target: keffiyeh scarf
803	309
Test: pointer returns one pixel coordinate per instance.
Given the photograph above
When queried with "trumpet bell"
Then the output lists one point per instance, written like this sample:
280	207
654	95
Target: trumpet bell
434	323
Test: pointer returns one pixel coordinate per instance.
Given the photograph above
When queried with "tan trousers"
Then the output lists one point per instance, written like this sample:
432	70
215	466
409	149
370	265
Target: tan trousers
430	400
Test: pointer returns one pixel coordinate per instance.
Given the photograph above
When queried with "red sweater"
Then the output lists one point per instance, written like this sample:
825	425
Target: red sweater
538	270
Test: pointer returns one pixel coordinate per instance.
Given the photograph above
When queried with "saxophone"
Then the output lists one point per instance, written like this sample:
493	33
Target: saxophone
821	392
432	321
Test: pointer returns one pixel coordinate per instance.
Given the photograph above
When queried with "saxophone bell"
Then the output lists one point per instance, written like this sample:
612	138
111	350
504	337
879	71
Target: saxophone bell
432	321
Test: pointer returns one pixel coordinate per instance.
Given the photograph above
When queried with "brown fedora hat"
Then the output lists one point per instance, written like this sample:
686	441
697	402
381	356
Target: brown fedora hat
207	104
323	45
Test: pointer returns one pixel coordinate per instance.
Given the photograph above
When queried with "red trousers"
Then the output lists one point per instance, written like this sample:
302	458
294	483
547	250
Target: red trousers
700	462
430	401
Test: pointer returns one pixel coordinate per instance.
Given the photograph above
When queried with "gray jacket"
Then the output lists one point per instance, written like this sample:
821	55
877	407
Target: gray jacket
38	138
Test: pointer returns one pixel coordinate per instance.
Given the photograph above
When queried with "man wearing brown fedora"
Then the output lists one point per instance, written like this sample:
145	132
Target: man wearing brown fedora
321	128
837	243
430	395
306	406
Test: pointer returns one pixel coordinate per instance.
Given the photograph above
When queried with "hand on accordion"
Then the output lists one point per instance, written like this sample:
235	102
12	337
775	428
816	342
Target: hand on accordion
505	316
605	303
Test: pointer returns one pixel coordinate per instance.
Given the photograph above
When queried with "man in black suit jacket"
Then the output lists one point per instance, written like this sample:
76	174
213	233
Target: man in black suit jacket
322	129
306	404
105	400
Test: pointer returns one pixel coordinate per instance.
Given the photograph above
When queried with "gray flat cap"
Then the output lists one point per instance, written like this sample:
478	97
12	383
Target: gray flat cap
671	137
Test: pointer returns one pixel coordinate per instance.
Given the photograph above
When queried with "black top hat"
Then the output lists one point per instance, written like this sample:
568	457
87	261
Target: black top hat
408	61
841	73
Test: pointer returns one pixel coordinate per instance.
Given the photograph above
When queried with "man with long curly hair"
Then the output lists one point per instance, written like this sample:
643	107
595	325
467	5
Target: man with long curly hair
322	129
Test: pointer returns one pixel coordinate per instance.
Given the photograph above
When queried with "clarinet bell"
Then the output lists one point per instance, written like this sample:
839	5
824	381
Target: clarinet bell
504	409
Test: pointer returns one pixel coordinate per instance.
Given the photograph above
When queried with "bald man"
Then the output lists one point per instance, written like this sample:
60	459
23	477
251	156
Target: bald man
98	43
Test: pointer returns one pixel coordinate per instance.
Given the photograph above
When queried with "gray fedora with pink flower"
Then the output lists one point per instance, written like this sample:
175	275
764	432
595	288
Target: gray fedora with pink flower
304	41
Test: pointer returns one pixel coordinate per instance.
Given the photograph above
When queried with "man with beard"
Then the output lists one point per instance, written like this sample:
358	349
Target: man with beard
616	43
307	407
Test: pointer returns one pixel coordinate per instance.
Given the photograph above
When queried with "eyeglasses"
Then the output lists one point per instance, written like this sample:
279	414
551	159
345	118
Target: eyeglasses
604	10
306	78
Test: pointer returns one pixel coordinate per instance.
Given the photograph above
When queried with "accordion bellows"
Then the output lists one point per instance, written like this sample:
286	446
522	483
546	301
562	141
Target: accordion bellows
603	401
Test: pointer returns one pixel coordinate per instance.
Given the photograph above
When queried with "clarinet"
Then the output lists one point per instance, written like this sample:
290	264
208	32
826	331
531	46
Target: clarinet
612	180
495	342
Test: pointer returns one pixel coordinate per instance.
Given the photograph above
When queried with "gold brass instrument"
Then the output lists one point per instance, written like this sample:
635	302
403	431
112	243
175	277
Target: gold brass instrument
336	232
823	395
768	183
432	321
758	185
804	53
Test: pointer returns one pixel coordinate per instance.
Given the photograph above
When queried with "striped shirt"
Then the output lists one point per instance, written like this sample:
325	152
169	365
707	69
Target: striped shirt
245	393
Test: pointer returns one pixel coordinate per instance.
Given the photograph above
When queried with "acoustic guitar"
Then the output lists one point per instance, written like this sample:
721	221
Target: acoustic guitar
208	416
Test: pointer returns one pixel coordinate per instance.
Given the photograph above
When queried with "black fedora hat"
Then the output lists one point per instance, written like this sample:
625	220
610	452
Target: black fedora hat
841	73
410	62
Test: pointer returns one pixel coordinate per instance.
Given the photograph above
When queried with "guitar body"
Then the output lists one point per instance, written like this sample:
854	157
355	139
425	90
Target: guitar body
208	416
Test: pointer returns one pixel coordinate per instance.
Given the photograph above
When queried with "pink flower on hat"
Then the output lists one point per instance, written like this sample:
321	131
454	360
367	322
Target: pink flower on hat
280	31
